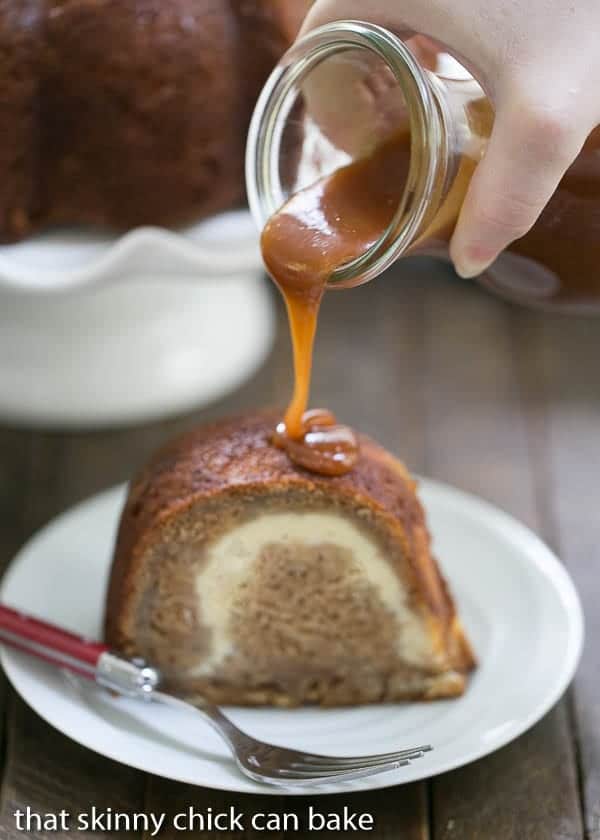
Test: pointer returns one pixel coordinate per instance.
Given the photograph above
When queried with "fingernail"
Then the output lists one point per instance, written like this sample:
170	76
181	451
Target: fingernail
467	269
472	261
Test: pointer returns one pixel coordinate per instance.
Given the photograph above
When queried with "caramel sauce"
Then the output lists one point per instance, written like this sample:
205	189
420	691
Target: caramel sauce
340	216
317	230
324	446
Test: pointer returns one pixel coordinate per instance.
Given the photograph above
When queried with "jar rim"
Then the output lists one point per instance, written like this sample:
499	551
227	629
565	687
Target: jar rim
426	132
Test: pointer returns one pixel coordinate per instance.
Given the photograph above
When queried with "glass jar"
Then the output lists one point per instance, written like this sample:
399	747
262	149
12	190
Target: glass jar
345	88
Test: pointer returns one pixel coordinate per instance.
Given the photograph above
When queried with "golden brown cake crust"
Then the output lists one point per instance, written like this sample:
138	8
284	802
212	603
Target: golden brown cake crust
236	456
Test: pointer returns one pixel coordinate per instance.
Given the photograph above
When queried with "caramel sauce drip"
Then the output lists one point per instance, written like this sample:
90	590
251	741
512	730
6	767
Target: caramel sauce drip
325	446
339	217
316	231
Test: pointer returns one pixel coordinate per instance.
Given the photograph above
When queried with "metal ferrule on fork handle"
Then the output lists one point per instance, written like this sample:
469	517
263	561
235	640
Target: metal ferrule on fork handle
83	657
131	677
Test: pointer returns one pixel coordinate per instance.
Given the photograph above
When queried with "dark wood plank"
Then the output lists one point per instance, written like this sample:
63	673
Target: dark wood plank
399	813
369	359
15	465
47	773
387	814
563	383
190	809
512	793
44	770
477	439
15	461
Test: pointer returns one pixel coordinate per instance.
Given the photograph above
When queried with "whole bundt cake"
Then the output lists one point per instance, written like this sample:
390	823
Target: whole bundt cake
117	113
249	580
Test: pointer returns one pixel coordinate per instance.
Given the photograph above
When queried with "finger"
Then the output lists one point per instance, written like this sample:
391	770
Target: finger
327	11
528	153
437	20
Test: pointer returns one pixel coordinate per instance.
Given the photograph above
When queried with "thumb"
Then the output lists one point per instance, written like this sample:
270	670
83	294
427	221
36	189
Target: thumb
528	153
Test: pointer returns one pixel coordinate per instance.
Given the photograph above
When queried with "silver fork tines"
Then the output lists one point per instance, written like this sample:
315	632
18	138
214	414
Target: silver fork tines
285	767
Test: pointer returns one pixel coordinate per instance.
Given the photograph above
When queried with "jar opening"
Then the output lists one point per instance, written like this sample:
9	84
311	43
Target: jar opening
339	93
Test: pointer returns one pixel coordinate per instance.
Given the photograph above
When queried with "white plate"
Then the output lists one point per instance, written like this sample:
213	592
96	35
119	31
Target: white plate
519	605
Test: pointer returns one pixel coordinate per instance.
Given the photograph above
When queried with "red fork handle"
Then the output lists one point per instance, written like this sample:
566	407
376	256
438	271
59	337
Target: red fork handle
50	643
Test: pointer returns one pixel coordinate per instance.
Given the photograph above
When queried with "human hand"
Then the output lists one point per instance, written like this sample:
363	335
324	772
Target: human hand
539	62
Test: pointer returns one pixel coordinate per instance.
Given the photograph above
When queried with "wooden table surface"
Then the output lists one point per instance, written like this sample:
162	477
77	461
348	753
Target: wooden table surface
496	400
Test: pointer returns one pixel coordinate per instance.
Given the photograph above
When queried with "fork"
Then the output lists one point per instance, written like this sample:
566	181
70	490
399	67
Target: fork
134	678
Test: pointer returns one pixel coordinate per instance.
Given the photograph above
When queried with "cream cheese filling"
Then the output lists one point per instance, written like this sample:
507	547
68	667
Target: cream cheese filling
229	562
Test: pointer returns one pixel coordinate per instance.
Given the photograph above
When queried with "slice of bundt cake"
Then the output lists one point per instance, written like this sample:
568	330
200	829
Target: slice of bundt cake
249	580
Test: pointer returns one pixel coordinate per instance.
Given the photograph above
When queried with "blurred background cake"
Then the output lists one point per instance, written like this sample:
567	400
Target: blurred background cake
248	580
118	113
